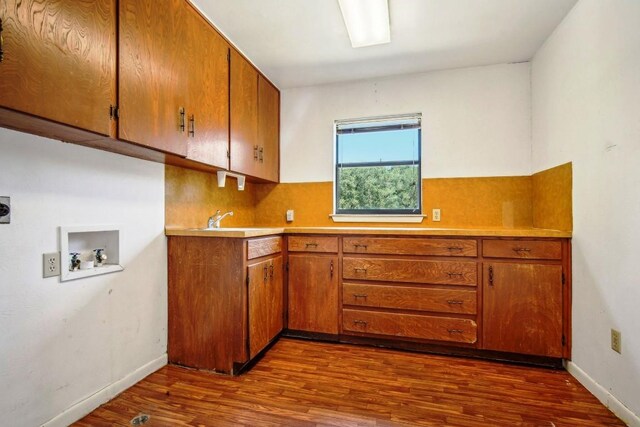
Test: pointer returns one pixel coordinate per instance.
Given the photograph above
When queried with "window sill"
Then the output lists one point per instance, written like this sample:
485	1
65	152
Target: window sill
415	219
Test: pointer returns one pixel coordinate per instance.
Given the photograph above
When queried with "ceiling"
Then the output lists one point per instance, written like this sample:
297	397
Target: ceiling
304	42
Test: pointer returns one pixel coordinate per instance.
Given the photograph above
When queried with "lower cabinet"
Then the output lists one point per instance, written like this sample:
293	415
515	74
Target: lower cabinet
522	310
225	300
313	293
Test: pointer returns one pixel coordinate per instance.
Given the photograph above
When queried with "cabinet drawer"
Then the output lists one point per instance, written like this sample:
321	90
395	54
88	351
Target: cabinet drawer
313	244
264	246
410	298
415	271
408	246
410	326
522	249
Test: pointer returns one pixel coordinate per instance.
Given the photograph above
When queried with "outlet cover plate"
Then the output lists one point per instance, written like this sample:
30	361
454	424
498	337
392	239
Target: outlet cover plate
51	264
616	341
5	209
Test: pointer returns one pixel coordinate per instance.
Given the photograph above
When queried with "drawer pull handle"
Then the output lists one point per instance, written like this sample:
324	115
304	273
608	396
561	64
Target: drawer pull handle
360	322
455	331
308	245
450	274
331	268
356	296
454	248
518	250
454	301
358	245
490	275
360	270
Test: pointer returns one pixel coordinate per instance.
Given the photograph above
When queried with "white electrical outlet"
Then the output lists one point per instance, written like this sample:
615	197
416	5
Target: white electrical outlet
51	264
435	215
290	215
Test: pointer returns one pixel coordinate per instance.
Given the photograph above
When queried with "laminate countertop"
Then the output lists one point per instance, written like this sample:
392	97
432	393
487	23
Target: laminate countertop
246	232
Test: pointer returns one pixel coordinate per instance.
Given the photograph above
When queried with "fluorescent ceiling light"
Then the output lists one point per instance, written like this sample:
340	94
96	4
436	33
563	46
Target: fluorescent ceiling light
367	21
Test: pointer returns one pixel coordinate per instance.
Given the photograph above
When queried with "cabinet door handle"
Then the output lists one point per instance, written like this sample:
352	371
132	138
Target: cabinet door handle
271	271
360	322
182	124
454	302
261	154
1	43
265	269
455	331
360	270
192	126
490	275
255	152
331	268
356	296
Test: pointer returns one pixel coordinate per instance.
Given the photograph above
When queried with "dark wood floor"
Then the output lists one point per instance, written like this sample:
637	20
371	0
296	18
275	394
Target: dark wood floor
301	383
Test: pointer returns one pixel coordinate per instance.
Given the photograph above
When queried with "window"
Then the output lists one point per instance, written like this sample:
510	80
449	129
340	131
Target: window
378	166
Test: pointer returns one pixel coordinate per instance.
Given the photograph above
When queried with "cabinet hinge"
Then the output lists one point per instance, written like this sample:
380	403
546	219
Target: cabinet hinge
563	279
564	341
114	112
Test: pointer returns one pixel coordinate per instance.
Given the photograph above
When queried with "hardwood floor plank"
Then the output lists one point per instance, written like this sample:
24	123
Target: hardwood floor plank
304	383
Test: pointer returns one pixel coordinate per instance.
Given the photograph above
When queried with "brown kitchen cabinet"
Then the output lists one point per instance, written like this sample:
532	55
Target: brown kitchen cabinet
523	306
207	111
225	300
59	64
265	303
255	122
313	299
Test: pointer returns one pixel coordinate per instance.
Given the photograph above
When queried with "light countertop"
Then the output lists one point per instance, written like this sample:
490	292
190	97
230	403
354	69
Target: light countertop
245	232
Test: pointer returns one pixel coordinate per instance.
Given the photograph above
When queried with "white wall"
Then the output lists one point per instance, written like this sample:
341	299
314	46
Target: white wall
586	109
476	121
62	342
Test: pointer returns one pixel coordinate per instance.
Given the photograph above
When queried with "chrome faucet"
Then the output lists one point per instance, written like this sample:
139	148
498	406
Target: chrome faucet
214	220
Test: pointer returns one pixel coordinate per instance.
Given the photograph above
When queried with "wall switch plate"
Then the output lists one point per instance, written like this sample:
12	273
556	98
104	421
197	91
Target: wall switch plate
51	264
616	341
435	215
290	215
5	210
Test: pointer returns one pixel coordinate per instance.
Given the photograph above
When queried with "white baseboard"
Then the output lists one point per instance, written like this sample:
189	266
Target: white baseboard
603	395
85	406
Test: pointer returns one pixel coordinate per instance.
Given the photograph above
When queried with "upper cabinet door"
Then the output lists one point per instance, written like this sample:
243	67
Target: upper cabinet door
153	74
268	130
60	60
208	106
244	116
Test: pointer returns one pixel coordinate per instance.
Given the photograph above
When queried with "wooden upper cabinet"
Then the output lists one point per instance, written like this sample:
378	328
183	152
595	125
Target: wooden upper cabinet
208	100
268	130
60	60
154	70
522	310
244	116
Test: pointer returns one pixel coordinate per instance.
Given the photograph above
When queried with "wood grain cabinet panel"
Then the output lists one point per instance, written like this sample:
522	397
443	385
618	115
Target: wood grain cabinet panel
264	246
207	111
265	303
410	298
312	244
414	271
410	246
154	74
410	326
60	60
268	130
522	309
244	116
313	303
522	249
